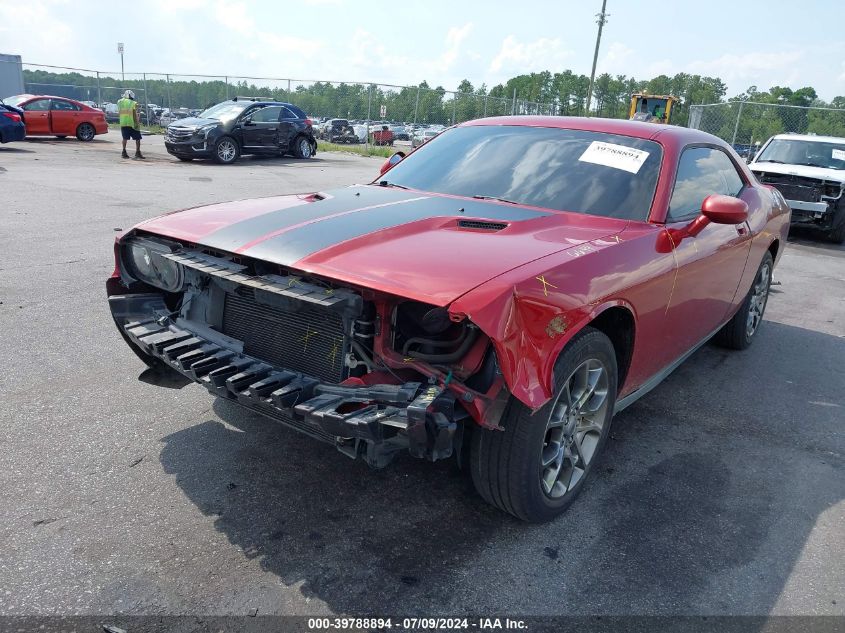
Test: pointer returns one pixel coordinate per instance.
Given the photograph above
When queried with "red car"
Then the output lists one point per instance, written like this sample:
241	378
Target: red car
497	295
59	116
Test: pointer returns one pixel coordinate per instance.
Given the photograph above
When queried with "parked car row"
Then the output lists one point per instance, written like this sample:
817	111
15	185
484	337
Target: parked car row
338	130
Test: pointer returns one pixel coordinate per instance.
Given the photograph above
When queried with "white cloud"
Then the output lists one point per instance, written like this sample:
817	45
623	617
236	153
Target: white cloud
34	26
234	15
733	67
542	54
616	60
454	39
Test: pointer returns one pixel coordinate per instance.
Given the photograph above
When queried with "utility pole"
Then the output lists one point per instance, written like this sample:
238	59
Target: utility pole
120	50
602	19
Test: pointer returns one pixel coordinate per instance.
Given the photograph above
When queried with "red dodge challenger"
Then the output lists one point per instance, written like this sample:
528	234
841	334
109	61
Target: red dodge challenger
497	295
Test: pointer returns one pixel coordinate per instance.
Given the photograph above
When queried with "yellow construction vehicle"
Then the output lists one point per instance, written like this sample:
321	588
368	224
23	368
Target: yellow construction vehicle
651	108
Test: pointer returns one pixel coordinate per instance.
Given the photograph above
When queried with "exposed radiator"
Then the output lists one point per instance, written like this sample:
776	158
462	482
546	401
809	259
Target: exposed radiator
309	339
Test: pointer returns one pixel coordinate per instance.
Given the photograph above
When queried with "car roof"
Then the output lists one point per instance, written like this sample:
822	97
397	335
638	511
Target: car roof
810	137
260	102
637	129
31	97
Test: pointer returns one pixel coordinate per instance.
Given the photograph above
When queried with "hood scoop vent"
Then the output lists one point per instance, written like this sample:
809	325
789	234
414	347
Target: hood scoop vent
482	225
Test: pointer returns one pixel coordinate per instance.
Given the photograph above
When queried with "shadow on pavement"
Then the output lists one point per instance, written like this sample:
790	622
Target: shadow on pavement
702	504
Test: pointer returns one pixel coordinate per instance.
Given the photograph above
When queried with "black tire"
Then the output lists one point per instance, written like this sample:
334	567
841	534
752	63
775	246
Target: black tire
837	235
226	150
507	467
302	147
185	159
738	333
85	132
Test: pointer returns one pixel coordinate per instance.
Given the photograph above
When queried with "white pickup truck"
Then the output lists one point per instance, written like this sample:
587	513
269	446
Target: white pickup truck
809	171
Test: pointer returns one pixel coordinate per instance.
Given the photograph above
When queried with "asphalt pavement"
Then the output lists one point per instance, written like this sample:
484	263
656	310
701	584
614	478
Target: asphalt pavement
721	492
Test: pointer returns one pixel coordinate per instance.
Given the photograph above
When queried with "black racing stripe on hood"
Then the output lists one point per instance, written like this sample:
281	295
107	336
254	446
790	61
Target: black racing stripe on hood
291	246
231	238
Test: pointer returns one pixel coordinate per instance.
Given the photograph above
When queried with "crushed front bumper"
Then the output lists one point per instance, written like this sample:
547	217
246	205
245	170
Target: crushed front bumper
372	422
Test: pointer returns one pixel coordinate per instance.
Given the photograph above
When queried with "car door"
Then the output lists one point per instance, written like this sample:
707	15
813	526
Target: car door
289	125
37	116
709	265
260	129
64	117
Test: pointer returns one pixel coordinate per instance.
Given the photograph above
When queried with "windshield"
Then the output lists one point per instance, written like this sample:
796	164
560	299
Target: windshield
798	152
224	111
567	170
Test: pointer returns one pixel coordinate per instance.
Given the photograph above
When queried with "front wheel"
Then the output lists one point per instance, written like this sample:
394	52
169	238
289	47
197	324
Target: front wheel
738	333
226	151
85	132
302	148
539	463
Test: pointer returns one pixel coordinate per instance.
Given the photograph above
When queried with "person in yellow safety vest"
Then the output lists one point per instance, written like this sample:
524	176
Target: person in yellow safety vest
130	123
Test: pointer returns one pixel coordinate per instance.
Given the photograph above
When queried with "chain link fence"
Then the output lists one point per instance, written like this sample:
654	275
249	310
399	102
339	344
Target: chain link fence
167	96
747	125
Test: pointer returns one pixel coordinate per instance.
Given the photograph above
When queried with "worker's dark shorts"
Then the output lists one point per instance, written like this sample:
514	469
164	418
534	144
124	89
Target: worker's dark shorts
130	133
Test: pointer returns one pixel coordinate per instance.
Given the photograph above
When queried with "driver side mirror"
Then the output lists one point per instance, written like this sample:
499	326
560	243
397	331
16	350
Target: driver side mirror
718	209
390	162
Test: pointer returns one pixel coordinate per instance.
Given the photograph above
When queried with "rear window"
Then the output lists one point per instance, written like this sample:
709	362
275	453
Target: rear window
567	170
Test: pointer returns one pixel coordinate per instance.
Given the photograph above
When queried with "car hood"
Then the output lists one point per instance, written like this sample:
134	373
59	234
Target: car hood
193	122
423	246
822	173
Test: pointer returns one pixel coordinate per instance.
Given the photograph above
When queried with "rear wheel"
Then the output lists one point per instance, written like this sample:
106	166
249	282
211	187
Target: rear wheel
226	150
539	463
302	147
85	132
738	333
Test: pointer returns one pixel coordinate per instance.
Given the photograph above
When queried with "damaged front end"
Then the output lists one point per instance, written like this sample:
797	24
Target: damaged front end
371	373
815	202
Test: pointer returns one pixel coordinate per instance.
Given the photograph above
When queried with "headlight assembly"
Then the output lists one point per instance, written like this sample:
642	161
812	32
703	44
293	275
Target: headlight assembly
145	262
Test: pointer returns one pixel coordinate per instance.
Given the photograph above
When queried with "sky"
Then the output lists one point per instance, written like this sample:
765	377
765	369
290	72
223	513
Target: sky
745	42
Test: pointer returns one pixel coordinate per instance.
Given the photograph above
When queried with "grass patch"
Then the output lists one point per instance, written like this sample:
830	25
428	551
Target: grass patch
374	150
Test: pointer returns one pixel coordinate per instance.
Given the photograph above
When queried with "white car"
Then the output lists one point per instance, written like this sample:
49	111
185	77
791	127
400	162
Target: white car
423	136
809	171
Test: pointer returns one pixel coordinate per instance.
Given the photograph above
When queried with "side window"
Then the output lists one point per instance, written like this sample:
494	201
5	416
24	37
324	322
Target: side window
702	171
39	105
270	114
58	104
287	113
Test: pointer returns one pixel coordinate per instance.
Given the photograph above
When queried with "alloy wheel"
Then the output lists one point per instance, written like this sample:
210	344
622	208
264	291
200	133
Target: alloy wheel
226	150
759	297
574	428
305	148
86	132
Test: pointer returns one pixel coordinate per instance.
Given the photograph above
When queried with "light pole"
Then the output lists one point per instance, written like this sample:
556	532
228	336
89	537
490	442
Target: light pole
602	19
120	50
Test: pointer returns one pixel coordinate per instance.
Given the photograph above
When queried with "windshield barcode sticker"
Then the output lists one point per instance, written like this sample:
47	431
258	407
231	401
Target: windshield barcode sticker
839	154
616	156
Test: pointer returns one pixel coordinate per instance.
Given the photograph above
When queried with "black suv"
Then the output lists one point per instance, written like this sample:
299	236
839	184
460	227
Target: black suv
244	125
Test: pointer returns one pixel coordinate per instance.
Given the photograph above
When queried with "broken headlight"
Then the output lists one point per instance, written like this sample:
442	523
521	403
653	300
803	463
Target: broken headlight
146	262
